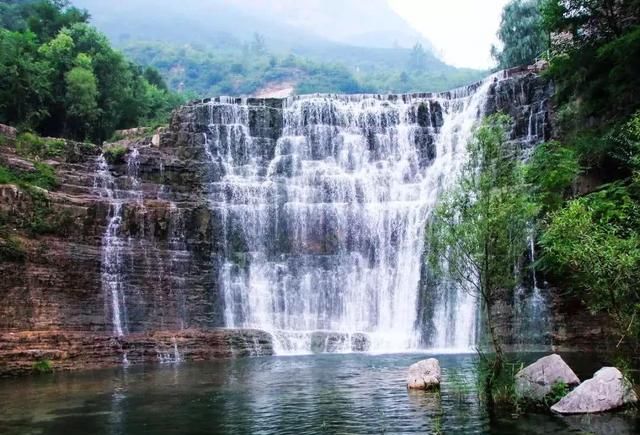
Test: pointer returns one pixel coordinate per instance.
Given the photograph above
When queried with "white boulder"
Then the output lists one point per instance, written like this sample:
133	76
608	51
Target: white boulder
607	390
536	380
424	375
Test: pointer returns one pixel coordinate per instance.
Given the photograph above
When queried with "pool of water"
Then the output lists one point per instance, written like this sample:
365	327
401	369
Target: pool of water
329	393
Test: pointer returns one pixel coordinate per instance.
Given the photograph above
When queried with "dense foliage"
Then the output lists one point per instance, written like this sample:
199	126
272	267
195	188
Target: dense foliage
521	33
62	78
480	228
587	181
205	71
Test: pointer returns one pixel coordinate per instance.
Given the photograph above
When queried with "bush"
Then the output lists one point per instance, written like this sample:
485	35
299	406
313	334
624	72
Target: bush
115	154
551	172
499	390
32	145
44	176
43	366
11	248
559	389
592	247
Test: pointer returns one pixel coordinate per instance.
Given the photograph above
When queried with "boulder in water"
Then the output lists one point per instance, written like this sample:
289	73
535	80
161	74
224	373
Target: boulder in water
607	390
536	380
424	375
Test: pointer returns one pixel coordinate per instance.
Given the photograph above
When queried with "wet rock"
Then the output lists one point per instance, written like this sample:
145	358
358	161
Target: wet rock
331	342
536	380
360	342
607	390
424	375
67	350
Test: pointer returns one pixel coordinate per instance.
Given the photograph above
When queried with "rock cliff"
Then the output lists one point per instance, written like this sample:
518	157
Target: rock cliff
120	260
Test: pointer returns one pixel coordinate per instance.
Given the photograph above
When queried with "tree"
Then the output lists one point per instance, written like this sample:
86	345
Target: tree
258	45
81	98
589	21
521	33
47	18
153	77
417	58
479	230
591	246
24	87
551	172
597	259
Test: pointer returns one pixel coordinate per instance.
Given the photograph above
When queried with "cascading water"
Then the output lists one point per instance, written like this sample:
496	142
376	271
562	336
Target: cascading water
531	312
114	245
324	235
111	265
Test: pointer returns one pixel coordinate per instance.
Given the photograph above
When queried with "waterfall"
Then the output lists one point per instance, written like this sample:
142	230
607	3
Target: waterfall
531	312
113	281
324	232
114	245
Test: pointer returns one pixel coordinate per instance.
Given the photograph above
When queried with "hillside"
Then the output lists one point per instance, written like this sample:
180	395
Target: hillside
223	47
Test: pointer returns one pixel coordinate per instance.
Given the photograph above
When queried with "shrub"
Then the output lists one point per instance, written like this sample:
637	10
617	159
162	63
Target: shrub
43	366
32	145
115	154
499	390
559	389
11	248
44	176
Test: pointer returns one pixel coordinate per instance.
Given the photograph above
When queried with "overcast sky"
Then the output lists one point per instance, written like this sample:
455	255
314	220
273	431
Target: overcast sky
461	30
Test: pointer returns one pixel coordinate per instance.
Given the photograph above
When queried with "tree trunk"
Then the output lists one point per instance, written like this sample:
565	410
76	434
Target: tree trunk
495	341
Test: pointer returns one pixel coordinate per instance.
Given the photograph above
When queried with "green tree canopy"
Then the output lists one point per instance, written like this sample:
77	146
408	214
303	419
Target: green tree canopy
25	86
480	229
82	94
61	76
521	33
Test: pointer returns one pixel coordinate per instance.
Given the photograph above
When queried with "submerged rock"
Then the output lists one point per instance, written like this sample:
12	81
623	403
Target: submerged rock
424	375
335	342
536	380
607	390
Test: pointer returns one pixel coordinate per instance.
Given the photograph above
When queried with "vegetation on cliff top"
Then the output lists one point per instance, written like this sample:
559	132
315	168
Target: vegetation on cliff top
522	34
579	194
590	241
203	71
587	181
62	78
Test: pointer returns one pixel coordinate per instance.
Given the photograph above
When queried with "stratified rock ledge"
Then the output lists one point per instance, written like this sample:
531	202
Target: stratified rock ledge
80	350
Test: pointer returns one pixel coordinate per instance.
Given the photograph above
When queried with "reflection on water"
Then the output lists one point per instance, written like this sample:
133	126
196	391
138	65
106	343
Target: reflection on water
348	393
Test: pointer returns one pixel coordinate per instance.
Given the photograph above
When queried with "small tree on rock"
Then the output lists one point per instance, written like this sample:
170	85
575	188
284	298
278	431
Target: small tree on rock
480	228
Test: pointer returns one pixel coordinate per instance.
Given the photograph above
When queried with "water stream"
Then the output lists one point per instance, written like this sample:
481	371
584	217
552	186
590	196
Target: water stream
324	237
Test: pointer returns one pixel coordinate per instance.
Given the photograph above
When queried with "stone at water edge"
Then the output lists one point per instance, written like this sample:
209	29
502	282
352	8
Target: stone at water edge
424	375
536	380
607	390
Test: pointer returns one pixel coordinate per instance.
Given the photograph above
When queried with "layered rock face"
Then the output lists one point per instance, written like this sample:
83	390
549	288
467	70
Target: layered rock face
137	257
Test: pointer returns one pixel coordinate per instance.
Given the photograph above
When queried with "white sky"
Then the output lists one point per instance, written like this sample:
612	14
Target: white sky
462	31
